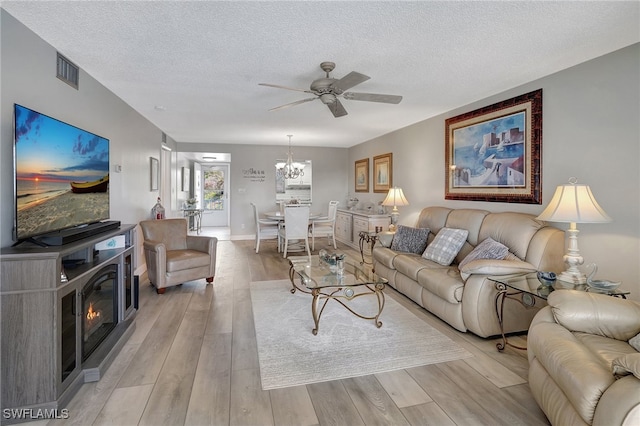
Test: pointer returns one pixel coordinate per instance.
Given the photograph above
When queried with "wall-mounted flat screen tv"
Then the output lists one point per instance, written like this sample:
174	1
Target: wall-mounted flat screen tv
61	175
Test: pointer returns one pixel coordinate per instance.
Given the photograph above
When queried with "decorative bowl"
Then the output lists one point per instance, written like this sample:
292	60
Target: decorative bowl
603	285
547	278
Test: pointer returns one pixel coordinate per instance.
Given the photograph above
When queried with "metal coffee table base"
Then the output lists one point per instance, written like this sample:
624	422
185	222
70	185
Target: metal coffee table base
320	300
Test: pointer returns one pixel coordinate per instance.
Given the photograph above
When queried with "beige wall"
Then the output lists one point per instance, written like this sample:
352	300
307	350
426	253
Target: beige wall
591	131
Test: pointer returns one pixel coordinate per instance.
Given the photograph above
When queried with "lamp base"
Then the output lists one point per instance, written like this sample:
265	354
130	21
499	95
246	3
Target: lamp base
395	214
573	259
572	277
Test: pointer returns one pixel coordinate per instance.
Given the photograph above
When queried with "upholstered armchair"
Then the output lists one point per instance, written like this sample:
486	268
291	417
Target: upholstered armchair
583	366
174	257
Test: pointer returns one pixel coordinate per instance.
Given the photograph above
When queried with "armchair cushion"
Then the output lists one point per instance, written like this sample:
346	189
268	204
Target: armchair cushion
590	313
180	260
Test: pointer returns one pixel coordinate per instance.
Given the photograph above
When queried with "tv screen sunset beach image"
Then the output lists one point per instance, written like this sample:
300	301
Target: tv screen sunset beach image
62	174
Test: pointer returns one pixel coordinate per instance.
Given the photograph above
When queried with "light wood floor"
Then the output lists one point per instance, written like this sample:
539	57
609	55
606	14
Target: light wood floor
192	360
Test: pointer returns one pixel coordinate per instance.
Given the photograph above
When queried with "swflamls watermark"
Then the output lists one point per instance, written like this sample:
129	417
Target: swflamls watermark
35	413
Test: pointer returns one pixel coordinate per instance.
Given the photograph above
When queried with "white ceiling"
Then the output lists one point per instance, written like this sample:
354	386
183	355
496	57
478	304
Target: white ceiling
201	61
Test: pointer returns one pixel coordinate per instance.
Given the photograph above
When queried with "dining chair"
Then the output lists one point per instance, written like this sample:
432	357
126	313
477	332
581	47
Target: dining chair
325	226
265	229
296	227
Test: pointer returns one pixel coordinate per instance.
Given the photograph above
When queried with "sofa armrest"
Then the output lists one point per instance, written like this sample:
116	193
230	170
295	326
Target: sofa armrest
154	246
202	243
384	256
495	267
577	371
596	313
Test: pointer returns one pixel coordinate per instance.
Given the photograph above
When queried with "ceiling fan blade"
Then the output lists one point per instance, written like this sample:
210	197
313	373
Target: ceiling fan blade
348	81
372	97
293	104
337	109
284	87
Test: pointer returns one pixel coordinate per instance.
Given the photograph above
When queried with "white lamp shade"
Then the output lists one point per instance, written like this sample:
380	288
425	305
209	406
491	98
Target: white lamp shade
395	197
574	203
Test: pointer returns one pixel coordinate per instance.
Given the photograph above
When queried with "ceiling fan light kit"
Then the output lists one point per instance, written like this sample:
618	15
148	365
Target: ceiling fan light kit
328	89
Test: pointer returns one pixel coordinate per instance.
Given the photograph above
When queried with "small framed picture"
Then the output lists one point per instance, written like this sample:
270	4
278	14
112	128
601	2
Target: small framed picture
362	175
186	179
154	174
382	172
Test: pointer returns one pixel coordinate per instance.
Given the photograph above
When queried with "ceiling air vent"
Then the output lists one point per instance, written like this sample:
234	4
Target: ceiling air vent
67	71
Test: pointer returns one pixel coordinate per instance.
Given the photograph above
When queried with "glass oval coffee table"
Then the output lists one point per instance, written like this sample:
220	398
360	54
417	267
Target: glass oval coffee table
326	282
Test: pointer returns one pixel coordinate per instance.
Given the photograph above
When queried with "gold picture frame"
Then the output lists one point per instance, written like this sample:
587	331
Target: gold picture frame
383	172
362	175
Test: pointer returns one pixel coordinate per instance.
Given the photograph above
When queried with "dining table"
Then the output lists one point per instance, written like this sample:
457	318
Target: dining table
279	217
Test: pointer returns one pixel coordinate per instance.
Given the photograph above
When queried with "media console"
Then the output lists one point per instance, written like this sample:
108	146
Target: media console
66	311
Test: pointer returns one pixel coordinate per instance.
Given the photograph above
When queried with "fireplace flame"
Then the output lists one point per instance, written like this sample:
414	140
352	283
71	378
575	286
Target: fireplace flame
91	314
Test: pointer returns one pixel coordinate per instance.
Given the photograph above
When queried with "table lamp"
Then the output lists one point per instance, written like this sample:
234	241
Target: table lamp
395	198
573	203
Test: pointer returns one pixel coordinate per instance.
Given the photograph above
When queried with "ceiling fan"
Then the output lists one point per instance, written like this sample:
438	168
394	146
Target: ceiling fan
329	89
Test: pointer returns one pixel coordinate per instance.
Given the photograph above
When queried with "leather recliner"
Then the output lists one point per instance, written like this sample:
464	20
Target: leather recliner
582	369
174	257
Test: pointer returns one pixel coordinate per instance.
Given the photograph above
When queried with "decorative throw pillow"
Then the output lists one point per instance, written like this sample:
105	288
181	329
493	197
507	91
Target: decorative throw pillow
627	364
446	245
410	240
487	249
635	342
385	238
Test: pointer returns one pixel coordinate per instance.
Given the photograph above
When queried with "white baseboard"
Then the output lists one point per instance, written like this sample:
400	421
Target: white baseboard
242	237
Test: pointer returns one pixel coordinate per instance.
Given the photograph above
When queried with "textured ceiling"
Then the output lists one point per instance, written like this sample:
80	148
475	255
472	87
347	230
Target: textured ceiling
193	68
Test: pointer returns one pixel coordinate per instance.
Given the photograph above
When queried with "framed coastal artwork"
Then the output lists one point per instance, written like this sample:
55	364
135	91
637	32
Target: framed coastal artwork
494	153
154	174
382	172
362	175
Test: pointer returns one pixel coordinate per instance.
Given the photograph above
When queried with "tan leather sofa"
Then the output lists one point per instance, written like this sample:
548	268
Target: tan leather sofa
174	257
574	346
467	300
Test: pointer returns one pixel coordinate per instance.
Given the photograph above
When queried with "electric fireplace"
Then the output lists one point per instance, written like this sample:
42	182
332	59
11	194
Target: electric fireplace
99	308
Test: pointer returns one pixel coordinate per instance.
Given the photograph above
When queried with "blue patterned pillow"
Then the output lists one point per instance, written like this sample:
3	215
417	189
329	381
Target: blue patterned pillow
446	245
410	240
487	249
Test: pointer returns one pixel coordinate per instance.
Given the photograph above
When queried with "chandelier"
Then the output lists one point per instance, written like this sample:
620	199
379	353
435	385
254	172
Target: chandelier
290	169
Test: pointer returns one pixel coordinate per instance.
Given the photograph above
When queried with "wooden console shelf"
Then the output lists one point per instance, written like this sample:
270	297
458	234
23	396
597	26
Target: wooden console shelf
41	301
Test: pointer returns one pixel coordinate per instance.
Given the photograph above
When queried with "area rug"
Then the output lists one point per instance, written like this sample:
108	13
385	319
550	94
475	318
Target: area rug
345	346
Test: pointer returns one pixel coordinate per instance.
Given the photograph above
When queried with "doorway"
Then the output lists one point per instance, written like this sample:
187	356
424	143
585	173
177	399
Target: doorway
215	194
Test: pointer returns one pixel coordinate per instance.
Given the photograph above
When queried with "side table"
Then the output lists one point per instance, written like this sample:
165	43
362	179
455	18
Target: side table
525	289
369	238
194	216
